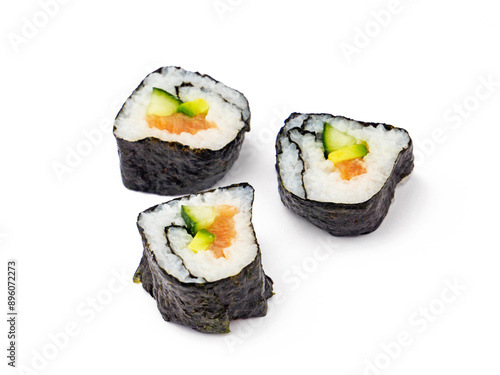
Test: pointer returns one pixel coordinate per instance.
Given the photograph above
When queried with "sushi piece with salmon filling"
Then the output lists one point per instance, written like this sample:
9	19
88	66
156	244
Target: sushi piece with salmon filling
179	132
338	173
201	260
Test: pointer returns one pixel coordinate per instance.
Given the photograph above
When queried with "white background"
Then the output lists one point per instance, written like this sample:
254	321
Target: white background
341	304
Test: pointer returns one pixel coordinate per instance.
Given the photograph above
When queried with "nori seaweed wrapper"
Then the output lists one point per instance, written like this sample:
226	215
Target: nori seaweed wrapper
346	219
161	167
209	306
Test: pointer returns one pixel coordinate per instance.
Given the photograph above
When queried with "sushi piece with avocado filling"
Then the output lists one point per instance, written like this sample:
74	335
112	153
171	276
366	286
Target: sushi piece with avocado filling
191	284
179	132
338	173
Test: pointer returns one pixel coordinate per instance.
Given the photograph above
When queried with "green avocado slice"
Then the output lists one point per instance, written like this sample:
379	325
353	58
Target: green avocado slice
347	153
194	107
201	241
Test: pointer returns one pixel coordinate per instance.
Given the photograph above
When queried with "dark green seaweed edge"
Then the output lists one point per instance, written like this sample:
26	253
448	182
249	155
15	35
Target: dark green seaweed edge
302	132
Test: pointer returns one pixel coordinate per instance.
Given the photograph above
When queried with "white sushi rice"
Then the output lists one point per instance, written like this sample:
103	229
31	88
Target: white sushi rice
184	264
228	109
321	182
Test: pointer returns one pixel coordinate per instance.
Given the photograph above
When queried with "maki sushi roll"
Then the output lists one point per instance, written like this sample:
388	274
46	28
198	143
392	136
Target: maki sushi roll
179	132
338	173
201	260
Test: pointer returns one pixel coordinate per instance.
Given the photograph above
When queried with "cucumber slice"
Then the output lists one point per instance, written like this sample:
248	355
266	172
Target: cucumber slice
198	217
347	153
194	107
334	139
201	241
162	103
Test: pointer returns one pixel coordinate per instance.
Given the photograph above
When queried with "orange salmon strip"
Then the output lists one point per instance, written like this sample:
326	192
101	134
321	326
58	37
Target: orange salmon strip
350	168
224	229
179	123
